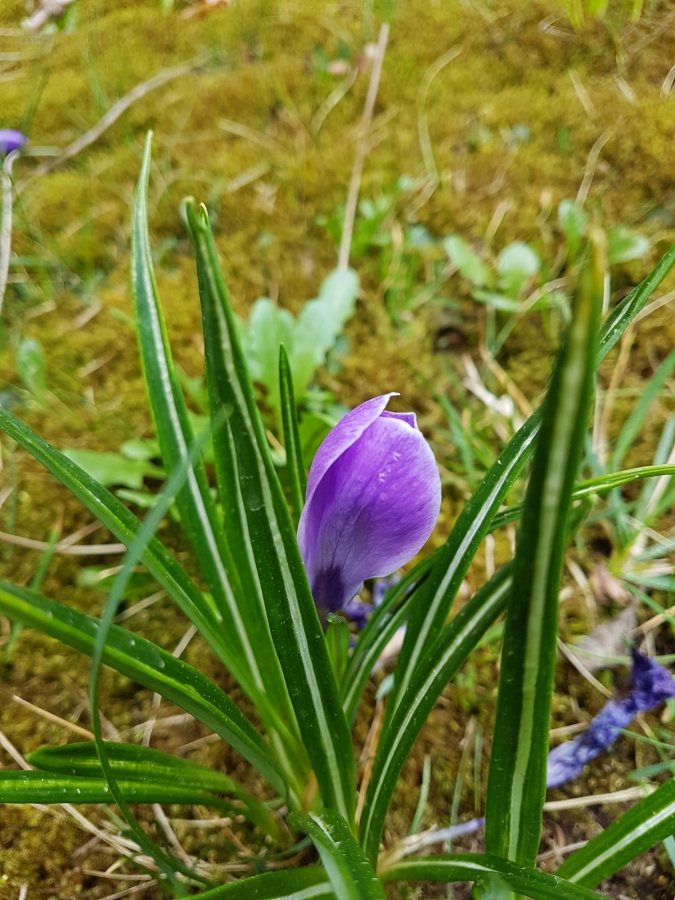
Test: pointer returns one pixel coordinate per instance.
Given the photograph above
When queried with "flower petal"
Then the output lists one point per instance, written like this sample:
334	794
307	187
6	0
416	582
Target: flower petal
372	510
348	429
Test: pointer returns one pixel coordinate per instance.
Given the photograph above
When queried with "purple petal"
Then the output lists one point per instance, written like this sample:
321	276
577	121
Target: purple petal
651	685
348	430
373	499
11	139
568	760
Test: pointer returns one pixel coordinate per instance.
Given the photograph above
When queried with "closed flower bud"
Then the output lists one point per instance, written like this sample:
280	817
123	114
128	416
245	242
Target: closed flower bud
373	498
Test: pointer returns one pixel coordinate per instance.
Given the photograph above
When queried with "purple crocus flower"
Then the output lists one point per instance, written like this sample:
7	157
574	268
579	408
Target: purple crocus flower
373	498
11	139
651	685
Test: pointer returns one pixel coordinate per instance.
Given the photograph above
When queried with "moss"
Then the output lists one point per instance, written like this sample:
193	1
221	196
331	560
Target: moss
258	70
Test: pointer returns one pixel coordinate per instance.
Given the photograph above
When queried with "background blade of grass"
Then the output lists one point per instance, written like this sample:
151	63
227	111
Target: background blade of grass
517	774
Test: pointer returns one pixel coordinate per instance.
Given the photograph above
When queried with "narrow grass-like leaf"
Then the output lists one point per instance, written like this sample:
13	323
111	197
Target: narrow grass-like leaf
295	466
310	883
144	662
476	867
636	831
517	774
124	525
52	787
292	615
244	623
433	605
350	873
132	762
438	666
633	424
599	485
434	598
383	623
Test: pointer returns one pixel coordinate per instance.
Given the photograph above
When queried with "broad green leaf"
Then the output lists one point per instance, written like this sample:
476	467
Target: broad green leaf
573	220
295	466
435	598
320	323
144	662
132	762
435	670
292	615
174	433
350	873
124	525
517	263
313	429
636	831
51	787
309	883
113	468
470	265
624	244
517	774
268	327
476	867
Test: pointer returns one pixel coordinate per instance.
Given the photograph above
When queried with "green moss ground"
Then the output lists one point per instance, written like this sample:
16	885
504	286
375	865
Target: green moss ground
258	68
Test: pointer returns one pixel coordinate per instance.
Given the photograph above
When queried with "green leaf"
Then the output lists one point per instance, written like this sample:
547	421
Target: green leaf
320	323
517	263
636	831
292	615
49	787
633	424
517	774
268	327
30	365
383	623
599	485
434	672
132	762
349	872
475	867
144	662
623	244
124	525
113	468
470	265
572	219
295	466
435	598
174	433
309	883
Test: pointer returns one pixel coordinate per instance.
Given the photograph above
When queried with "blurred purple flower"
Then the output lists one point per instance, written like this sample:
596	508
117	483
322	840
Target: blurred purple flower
373	498
359	612
11	139
651	685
